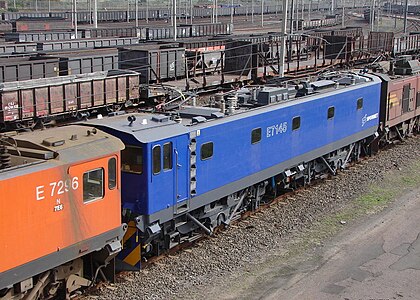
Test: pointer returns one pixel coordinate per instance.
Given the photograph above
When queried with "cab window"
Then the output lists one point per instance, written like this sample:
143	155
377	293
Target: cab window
93	185
132	159
359	103
255	135
295	123
206	151
331	112
112	173
167	156
156	152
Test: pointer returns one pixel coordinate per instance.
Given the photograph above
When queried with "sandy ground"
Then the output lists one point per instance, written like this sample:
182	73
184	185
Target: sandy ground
375	257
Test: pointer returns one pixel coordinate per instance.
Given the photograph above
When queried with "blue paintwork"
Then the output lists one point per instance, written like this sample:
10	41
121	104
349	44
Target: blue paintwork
235	157
146	193
169	186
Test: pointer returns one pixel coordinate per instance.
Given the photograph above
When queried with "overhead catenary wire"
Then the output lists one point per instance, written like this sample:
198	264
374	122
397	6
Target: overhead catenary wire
217	51
145	66
158	65
107	104
238	56
140	44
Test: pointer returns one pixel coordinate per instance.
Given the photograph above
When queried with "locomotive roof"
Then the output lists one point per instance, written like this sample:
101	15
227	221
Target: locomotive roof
59	145
148	127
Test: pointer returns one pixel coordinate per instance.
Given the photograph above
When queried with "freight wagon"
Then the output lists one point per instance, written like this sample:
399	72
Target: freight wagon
86	43
198	43
406	44
9	48
24	37
379	42
115	32
31	24
86	61
5	26
212	29
154	64
28	102
337	47
163	13
9	16
52	64
26	68
142	32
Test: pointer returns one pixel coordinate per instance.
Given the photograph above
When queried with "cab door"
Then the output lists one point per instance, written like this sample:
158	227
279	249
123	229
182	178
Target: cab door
170	177
181	168
94	203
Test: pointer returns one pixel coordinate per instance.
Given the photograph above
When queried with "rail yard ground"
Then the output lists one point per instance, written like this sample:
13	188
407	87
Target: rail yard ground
298	243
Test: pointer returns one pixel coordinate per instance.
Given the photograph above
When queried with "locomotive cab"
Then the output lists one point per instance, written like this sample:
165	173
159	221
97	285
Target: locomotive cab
155	170
65	187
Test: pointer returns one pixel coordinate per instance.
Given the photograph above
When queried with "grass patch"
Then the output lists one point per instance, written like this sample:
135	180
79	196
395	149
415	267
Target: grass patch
375	199
395	185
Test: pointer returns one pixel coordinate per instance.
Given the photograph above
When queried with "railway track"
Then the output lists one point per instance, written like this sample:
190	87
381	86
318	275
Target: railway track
413	24
220	230
212	260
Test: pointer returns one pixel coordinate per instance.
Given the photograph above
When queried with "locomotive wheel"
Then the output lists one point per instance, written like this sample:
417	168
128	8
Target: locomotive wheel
221	218
339	165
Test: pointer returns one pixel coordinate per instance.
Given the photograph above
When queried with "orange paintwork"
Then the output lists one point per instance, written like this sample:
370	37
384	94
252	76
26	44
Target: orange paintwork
30	228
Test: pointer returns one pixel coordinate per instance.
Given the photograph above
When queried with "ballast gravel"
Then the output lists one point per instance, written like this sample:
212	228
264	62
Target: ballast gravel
214	260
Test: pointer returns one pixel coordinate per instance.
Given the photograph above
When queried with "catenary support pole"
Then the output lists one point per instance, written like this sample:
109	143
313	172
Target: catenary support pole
191	12
128	11
216	12
405	16
174	8
231	12
283	39
252	11
147	11
137	12
75	18
262	13
95	13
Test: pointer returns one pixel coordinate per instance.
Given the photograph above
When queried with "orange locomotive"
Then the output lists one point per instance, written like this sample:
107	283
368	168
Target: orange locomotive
59	201
400	103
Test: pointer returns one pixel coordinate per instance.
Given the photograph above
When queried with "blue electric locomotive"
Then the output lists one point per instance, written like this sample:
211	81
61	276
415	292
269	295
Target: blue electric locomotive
201	167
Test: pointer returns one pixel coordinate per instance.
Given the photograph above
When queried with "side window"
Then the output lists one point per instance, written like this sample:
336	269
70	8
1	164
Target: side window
167	156
112	173
296	123
206	150
132	159
93	185
156	159
331	112
418	99
255	135
359	103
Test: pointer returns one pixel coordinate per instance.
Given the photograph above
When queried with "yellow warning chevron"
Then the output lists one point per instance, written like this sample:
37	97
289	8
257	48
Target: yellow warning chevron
132	229
134	257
